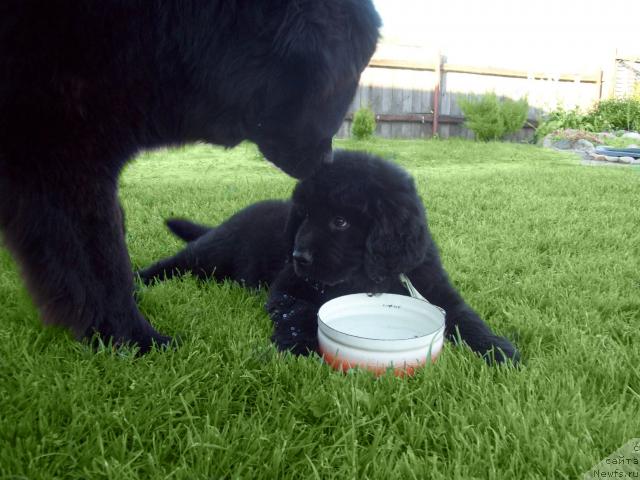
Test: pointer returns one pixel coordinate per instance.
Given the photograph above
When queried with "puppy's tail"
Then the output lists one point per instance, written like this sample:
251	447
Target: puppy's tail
185	229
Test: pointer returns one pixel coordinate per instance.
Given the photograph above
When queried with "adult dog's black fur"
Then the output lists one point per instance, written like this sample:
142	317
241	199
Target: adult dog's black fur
85	84
351	227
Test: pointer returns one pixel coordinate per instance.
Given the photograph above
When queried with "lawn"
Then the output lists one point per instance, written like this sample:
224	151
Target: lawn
547	250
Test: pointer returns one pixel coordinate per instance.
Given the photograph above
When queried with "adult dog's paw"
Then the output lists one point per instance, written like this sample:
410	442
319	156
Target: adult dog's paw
131	330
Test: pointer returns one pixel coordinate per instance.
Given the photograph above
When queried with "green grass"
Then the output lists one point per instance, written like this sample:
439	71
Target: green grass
545	249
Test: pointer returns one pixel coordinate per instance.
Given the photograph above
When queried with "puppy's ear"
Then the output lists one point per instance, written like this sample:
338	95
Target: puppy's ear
399	238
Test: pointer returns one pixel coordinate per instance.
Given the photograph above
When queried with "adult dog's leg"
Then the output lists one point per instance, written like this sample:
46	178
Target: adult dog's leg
123	222
67	235
461	320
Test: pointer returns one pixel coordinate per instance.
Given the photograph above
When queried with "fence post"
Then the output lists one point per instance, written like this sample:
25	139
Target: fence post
599	85
436	95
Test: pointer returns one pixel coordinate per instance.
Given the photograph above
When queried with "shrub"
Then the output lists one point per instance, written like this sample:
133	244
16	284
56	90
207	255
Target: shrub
483	116
364	124
514	114
607	115
491	119
616	114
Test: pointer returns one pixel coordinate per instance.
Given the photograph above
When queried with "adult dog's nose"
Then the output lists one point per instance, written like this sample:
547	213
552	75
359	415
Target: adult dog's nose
302	257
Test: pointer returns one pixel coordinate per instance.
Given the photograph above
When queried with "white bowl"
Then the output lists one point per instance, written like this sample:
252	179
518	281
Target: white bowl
378	332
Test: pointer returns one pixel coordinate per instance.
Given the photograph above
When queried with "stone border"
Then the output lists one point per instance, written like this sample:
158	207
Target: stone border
593	156
586	149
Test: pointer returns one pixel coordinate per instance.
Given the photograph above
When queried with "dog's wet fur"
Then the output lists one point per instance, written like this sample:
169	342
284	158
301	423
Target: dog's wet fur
351	227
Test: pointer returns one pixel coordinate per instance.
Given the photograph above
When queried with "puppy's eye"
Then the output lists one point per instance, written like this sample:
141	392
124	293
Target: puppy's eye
339	223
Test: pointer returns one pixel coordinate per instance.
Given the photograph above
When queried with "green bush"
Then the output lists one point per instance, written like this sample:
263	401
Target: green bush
514	114
492	119
483	116
606	116
364	124
616	114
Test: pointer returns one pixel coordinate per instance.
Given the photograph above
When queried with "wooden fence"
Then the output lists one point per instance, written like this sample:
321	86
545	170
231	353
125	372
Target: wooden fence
415	99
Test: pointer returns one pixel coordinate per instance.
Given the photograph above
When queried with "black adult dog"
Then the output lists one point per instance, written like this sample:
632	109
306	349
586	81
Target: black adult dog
351	227
86	84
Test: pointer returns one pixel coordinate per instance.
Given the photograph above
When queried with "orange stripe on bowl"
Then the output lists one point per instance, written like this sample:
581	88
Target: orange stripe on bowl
343	365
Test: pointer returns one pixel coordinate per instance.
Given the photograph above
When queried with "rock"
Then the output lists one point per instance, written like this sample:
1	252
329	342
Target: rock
583	145
598	157
547	142
612	159
635	161
561	144
633	145
626	159
634	135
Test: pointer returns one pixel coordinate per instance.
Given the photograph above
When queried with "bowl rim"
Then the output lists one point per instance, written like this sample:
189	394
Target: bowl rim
427	304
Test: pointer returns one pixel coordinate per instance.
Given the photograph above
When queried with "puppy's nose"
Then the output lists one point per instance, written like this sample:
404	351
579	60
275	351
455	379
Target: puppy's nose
303	257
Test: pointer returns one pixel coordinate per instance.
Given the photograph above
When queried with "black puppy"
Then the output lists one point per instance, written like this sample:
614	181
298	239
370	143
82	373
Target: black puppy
352	227
85	85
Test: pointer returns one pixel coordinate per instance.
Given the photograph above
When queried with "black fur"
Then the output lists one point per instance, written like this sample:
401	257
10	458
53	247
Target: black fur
304	252
85	84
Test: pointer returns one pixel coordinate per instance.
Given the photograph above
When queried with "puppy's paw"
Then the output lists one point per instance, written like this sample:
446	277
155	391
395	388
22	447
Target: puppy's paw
500	350
295	341
279	304
294	324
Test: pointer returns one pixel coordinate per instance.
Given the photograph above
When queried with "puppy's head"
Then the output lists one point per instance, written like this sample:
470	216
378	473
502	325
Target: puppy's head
357	218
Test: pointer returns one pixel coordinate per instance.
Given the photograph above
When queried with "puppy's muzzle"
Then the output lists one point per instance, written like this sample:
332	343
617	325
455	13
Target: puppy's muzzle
302	257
